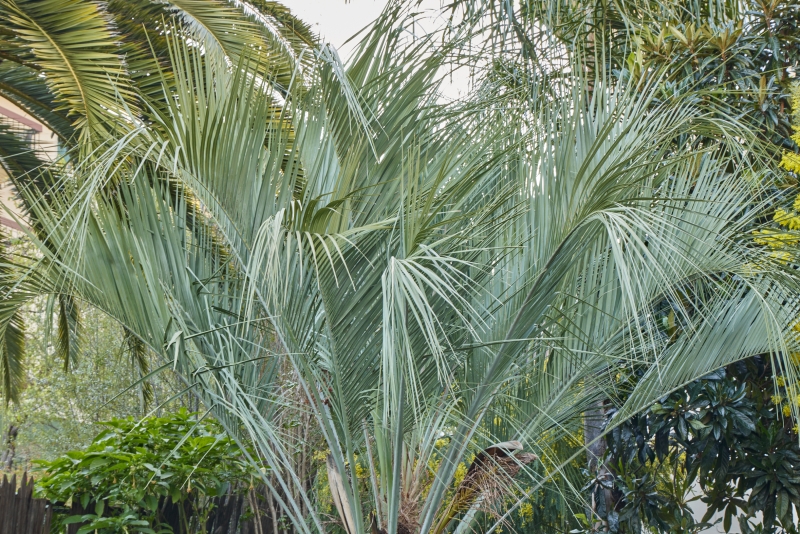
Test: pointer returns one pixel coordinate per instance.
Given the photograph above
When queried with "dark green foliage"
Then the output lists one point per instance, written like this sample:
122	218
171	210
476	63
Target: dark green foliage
737	57
738	63
136	473
730	433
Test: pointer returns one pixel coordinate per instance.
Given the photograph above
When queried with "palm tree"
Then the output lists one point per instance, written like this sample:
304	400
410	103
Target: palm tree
422	279
79	67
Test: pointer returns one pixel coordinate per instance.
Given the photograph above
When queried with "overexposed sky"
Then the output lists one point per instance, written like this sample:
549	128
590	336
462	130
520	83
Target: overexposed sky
338	20
335	20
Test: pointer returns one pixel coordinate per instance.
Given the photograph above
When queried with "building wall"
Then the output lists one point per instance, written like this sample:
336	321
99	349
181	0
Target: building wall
42	139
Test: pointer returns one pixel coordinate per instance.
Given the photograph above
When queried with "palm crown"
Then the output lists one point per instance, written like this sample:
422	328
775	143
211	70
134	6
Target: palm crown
423	278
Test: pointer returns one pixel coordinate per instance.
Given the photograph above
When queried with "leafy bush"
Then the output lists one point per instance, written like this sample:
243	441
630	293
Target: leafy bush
157	475
731	433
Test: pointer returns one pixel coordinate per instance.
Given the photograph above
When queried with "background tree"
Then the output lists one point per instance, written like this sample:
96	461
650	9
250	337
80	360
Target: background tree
58	411
74	65
733	432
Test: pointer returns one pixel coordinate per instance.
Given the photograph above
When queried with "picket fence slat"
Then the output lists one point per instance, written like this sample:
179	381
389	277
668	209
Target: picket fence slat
20	513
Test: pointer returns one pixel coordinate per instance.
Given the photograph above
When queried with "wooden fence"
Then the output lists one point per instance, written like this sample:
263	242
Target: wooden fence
20	513
230	514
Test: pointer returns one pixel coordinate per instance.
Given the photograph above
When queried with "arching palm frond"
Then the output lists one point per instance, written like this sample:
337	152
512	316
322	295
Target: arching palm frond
22	85
74	45
12	332
97	69
69	330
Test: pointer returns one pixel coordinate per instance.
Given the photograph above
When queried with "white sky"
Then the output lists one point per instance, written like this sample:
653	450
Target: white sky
336	20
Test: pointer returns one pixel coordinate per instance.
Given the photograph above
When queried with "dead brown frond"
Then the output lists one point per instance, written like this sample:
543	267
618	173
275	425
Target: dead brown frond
488	480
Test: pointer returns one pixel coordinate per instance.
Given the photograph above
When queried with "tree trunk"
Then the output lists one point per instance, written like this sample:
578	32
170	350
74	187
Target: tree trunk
602	501
10	439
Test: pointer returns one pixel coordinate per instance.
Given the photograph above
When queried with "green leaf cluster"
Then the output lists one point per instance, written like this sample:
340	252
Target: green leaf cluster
134	470
731	434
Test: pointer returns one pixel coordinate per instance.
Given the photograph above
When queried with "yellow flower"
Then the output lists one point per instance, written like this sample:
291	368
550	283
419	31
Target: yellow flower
780	381
781	255
441	442
433	465
320	455
787	219
775	239
361	472
525	512
791	162
776	399
751	269
461	472
796	100
787	411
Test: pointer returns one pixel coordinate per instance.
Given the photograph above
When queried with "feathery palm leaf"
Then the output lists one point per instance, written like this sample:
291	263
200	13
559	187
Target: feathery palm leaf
97	69
73	43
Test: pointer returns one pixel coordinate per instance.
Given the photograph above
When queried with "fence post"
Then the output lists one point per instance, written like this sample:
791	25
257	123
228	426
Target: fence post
20	513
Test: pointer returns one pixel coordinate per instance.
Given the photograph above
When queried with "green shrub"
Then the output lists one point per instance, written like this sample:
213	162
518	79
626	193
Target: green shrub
135	476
